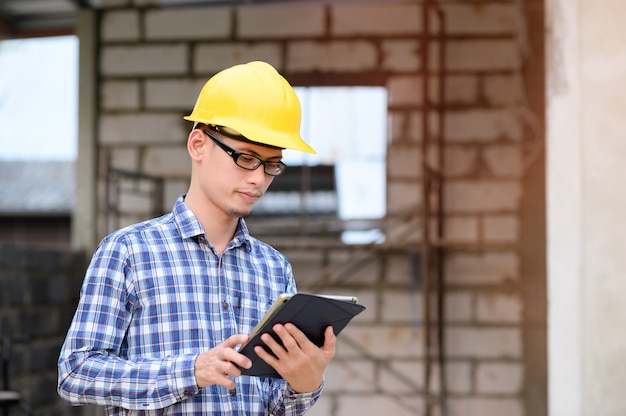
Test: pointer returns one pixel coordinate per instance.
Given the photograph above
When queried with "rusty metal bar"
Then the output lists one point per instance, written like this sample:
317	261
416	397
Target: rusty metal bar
426	248
432	194
114	188
439	250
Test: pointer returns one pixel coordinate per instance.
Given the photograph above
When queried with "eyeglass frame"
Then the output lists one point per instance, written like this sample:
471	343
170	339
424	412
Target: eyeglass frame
236	155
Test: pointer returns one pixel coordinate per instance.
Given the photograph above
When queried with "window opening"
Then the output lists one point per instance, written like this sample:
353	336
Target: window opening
347	128
39	98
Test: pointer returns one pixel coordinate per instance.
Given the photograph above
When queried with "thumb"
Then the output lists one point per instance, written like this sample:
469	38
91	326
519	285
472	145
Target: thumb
329	339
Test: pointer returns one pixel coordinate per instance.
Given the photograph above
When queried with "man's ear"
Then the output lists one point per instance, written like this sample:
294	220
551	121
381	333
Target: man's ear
196	144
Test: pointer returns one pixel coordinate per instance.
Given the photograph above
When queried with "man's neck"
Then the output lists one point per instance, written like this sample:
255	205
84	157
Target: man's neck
219	227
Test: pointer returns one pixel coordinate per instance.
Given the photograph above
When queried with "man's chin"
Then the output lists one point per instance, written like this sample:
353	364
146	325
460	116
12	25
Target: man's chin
240	213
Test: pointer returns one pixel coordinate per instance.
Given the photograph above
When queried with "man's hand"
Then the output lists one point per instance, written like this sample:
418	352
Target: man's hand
215	365
299	361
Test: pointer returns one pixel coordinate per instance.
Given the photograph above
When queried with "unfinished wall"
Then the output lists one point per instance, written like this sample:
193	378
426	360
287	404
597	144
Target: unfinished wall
38	295
152	64
586	171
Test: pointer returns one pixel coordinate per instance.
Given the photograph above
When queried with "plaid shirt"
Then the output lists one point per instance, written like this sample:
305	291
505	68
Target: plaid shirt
156	295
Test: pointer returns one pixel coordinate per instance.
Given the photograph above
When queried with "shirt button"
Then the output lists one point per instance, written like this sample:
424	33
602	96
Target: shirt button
233	392
225	304
187	393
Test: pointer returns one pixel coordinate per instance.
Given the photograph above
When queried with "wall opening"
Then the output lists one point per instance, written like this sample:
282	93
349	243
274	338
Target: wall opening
347	128
39	98
38	139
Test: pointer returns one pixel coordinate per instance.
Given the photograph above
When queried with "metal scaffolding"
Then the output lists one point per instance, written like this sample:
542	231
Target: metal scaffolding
433	204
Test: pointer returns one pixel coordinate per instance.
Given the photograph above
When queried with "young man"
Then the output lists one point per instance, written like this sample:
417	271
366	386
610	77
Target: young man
165	303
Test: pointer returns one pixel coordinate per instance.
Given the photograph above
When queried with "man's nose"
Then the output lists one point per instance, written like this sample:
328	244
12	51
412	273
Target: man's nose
258	175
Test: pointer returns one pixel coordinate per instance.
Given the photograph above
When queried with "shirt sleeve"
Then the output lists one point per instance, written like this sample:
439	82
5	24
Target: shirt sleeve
91	368
286	402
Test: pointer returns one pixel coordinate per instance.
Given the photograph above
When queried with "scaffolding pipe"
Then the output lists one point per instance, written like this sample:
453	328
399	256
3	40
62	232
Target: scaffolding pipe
441	344
426	249
432	193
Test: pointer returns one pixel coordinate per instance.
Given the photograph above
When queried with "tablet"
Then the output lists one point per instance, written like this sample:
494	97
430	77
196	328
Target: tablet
311	313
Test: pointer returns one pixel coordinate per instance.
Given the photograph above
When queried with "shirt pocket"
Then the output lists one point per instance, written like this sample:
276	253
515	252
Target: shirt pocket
249	312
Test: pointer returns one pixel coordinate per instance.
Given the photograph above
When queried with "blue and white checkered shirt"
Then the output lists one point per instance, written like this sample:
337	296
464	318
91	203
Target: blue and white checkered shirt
155	296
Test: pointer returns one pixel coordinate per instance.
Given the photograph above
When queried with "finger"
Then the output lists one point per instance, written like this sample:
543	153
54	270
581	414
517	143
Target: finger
229	355
235	340
233	360
299	337
266	356
227	382
273	345
306	344
231	369
289	342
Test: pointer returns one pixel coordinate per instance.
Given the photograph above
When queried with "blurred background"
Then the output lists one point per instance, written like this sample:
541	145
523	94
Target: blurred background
467	186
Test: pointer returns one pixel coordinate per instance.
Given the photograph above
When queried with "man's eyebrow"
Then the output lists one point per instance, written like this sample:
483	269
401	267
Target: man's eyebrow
248	150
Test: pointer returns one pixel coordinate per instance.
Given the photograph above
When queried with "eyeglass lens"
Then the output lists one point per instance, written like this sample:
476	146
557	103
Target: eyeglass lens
249	162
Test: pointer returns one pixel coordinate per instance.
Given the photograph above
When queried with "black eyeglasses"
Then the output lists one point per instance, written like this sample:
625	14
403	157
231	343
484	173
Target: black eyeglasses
249	162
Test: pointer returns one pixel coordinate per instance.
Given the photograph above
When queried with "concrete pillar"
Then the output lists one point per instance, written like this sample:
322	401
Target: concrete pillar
586	172
84	235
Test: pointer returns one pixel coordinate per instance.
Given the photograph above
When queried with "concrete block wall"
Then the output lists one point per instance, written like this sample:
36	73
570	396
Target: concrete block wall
380	358
153	62
39	291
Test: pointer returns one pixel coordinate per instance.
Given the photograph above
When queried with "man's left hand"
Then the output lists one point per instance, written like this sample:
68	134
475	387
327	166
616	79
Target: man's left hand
298	360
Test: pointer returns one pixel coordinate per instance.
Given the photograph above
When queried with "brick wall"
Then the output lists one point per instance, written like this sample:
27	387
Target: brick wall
152	64
380	360
39	291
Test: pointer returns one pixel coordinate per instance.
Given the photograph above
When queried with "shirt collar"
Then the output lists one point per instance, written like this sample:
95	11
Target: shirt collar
190	227
242	235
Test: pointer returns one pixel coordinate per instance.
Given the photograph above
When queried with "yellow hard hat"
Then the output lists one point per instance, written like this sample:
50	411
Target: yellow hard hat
256	101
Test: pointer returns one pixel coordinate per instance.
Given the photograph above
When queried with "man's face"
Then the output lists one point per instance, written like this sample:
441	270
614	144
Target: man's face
229	187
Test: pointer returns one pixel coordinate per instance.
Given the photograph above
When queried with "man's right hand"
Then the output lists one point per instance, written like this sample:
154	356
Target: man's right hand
221	362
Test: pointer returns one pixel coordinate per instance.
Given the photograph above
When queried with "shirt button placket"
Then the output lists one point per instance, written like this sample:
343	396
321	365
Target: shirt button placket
228	325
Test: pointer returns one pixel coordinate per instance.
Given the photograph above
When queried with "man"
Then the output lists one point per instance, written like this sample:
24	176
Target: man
166	303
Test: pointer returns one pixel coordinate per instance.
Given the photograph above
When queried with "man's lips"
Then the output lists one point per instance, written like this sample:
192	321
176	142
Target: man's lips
250	195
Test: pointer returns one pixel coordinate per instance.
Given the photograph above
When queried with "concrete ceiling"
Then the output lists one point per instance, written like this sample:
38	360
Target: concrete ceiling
31	18
36	18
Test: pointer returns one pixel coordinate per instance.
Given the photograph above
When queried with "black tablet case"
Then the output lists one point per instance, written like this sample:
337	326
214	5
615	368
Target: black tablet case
312	314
